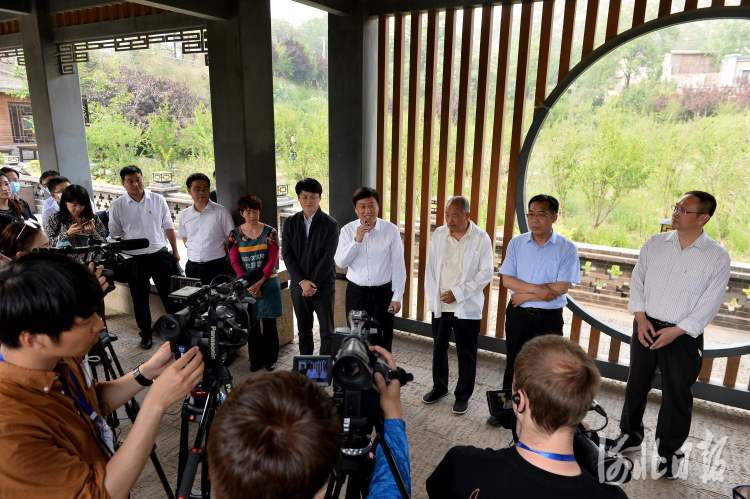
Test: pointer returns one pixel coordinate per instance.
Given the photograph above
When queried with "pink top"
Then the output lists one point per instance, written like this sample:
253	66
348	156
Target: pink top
272	240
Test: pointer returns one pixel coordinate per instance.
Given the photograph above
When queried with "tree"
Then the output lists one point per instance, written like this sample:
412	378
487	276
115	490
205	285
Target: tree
198	136
615	165
303	69
565	153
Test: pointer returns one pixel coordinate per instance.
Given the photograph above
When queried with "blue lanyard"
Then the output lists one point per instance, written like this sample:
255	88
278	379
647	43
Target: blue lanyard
548	455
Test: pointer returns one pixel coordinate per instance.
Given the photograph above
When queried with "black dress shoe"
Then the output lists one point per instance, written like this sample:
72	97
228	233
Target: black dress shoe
146	343
255	369
492	421
112	336
271	367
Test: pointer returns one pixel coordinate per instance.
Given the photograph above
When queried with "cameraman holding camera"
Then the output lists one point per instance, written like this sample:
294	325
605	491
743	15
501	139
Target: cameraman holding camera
553	388
52	428
278	435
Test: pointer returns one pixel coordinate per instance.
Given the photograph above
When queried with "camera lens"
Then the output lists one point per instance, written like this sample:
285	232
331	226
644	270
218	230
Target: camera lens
351	369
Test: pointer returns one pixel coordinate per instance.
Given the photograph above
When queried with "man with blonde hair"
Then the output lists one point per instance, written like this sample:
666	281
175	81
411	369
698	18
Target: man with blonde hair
553	388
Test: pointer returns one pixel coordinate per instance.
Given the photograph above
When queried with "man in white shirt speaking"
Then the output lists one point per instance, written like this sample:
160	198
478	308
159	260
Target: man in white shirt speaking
677	288
204	228
371	247
459	266
143	214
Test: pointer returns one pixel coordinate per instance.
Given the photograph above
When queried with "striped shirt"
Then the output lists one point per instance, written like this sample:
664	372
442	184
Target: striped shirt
681	286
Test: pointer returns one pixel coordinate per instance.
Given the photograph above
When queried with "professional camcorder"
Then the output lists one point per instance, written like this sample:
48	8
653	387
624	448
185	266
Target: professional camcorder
216	319
117	266
589	455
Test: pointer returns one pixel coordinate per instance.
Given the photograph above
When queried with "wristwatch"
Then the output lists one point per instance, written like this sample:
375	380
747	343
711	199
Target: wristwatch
140	378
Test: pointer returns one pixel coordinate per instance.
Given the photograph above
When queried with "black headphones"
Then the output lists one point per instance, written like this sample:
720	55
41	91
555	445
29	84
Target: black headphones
516	398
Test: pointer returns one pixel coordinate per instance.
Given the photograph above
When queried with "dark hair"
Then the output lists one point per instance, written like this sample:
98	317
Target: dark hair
18	236
196	176
48	173
127	170
552	203
75	194
6	220
249	202
16	206
559	379
707	203
43	293
276	435
7	169
309	185
364	193
55	181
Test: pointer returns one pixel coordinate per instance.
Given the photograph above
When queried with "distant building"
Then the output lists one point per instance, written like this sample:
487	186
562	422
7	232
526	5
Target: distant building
696	69
15	113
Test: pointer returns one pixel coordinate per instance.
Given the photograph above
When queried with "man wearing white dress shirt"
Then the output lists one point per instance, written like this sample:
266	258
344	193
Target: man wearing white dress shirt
372	250
677	288
459	267
204	228
143	214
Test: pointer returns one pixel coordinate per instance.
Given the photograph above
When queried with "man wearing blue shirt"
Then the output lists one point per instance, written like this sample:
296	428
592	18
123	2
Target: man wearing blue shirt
539	267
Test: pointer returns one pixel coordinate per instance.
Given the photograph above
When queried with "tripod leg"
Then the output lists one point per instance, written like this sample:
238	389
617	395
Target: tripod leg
182	460
160	473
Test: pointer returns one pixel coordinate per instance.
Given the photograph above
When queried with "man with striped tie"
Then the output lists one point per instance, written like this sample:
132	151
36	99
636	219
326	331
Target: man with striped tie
677	288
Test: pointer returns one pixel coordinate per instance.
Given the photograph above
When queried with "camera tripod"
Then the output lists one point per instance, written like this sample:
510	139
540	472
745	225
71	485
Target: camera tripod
131	407
358	471
199	407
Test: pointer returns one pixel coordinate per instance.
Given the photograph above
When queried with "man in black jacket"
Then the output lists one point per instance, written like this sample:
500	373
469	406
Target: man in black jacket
308	244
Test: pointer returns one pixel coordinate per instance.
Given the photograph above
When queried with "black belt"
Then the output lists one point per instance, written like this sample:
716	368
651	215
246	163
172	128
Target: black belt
541	311
387	285
160	251
659	323
201	264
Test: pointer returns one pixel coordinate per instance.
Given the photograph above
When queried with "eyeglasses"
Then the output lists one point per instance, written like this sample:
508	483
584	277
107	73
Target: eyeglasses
741	492
540	216
30	223
677	209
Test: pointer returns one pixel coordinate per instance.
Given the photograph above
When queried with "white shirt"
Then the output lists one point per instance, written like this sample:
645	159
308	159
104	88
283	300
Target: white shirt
51	206
476	274
308	223
205	231
377	260
148	219
681	286
453	266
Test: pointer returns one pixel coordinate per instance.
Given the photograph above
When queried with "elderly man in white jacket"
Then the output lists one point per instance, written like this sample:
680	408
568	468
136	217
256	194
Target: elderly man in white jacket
459	266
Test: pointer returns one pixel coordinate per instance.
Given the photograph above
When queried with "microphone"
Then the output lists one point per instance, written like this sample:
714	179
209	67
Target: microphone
597	408
128	244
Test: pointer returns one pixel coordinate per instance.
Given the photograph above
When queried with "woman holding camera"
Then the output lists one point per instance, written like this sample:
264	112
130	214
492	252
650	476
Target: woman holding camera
256	251
75	217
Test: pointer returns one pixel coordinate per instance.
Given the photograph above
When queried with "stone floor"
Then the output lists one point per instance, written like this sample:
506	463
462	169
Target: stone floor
432	430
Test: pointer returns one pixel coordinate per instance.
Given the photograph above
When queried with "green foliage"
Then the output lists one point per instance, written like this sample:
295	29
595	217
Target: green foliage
198	136
160	140
112	139
615	271
23	92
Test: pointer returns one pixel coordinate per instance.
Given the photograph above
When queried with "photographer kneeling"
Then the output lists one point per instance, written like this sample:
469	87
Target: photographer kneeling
553	388
279	435
52	429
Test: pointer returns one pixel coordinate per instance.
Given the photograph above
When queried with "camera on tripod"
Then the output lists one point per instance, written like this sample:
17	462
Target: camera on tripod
614	470
118	267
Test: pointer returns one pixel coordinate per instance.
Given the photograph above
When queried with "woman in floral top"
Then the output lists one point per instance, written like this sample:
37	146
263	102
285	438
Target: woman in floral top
75	217
256	251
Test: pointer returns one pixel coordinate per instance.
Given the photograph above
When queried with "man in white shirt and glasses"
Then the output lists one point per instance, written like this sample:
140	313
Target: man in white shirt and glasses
459	267
204	228
539	267
143	214
372	250
677	288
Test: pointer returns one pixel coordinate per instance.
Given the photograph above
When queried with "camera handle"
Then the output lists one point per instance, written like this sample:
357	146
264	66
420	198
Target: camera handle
380	430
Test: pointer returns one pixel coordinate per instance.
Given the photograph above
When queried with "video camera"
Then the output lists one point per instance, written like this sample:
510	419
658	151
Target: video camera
589	455
216	319
118	267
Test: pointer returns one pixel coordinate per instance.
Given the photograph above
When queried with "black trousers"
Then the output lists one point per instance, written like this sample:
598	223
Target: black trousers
321	303
680	363
520	327
375	301
156	266
467	339
262	346
206	271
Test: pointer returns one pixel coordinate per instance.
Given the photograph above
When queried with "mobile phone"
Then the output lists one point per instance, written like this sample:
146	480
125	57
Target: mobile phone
84	223
392	310
315	367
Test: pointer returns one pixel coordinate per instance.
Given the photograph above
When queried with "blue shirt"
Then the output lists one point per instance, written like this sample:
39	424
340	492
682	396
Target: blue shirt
383	484
557	260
